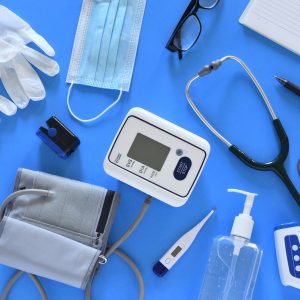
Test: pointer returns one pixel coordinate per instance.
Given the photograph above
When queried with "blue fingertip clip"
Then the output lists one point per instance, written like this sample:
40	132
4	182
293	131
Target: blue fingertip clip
58	137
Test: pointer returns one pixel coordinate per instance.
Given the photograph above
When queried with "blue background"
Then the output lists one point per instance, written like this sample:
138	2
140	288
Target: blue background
228	99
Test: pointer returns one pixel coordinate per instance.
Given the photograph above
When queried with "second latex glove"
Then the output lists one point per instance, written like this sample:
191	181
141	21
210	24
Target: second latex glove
20	80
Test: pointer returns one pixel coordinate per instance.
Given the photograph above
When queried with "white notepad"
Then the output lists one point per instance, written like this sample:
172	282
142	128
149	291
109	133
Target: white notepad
278	20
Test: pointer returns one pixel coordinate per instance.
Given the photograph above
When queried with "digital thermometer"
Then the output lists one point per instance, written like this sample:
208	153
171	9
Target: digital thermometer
157	157
178	249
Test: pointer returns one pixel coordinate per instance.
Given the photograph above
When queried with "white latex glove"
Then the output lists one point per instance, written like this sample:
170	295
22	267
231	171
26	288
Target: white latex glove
7	107
20	80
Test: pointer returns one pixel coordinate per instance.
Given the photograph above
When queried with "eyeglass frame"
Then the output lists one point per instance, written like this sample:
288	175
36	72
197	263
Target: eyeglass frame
191	10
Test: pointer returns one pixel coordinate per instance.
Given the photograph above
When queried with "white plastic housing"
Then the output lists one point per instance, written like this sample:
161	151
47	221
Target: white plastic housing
183	243
243	226
243	223
160	183
282	257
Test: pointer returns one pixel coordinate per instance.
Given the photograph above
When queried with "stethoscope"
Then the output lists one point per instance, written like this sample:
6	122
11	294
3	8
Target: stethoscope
276	165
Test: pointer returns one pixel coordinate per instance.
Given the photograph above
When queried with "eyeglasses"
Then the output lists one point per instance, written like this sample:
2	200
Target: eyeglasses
189	28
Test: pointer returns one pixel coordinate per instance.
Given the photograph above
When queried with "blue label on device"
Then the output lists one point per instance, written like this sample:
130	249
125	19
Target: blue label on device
182	169
292	247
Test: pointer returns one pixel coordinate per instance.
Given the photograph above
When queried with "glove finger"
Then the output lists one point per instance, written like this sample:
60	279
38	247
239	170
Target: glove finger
28	78
41	61
10	20
33	36
7	107
8	51
13	87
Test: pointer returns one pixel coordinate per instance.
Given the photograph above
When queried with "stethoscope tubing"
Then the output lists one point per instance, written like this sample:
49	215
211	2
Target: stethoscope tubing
277	165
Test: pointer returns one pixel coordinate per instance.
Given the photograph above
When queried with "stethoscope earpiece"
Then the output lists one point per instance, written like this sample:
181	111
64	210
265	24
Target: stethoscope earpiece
277	165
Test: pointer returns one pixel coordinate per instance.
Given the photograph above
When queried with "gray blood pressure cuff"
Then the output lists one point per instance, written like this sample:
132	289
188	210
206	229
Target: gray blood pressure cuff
60	236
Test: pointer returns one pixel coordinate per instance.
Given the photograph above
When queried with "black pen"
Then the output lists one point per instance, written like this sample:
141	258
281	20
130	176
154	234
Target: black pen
289	85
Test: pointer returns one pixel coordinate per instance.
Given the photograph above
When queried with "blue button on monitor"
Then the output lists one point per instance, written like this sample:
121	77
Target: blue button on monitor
182	168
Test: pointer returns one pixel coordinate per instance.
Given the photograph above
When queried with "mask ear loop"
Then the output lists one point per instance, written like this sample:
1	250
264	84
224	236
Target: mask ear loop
96	117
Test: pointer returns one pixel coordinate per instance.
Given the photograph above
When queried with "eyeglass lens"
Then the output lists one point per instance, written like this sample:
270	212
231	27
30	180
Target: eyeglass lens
188	33
190	30
208	3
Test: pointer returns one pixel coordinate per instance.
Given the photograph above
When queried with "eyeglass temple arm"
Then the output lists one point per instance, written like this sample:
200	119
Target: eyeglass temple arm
179	43
179	54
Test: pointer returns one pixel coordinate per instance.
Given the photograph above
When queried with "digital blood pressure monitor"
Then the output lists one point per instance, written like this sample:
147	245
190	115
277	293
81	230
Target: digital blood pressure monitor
156	157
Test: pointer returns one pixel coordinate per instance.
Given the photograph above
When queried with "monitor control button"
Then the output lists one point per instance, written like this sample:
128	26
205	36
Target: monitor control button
182	168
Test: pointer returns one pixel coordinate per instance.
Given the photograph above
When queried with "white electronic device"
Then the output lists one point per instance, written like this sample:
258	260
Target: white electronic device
157	157
287	242
179	248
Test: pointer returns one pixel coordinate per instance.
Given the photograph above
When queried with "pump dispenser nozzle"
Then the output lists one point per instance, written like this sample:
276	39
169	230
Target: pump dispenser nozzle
243	223
249	199
234	260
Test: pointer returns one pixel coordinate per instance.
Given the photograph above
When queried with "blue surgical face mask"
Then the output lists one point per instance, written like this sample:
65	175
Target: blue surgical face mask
105	46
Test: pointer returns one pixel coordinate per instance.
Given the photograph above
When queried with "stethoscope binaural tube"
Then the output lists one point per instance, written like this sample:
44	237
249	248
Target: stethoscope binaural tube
277	165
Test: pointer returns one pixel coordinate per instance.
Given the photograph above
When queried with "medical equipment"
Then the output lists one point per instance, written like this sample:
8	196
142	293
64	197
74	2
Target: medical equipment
156	157
189	27
105	47
20	80
179	248
277	165
58	137
48	213
234	262
32	223
287	244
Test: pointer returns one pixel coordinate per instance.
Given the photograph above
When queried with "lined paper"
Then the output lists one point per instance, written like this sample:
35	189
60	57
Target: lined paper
278	20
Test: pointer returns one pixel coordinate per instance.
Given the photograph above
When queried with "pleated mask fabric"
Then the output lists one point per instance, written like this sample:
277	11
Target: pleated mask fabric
105	45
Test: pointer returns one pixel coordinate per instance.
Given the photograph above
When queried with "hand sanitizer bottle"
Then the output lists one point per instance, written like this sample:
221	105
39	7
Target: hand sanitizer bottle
234	262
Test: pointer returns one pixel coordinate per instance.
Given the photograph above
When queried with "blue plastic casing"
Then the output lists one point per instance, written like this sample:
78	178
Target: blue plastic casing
159	269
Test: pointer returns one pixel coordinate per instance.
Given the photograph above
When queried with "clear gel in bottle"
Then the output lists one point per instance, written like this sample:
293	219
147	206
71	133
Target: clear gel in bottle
234	262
